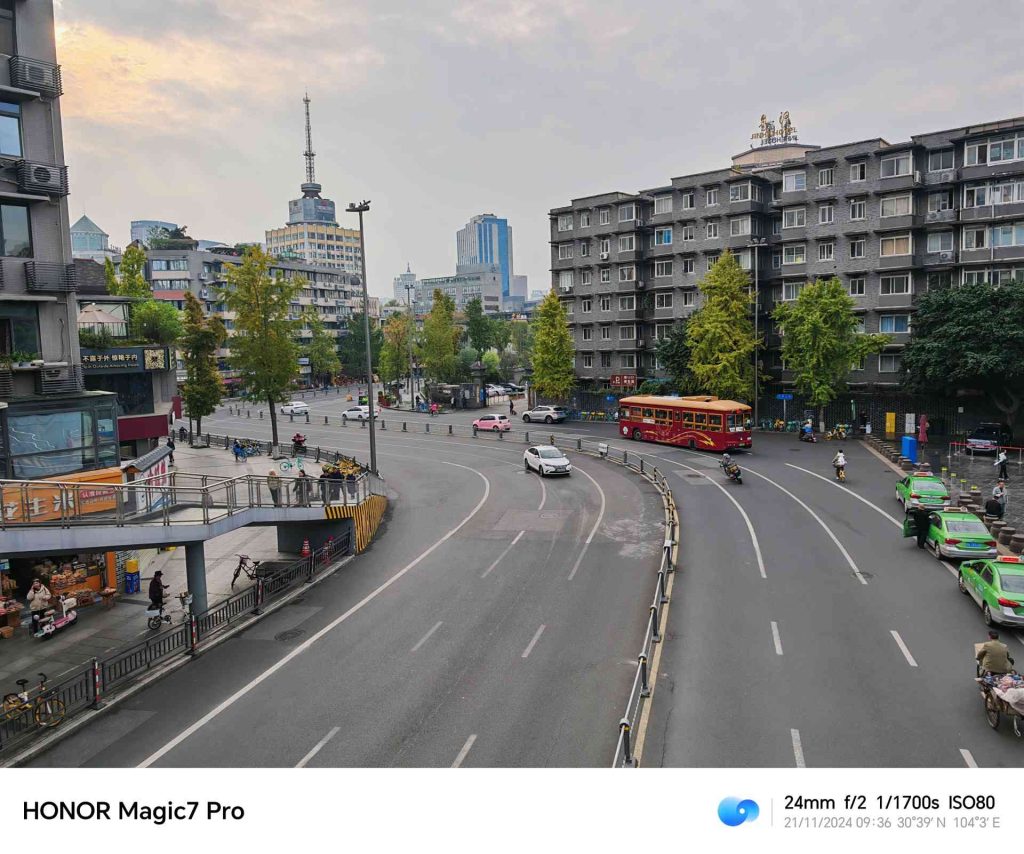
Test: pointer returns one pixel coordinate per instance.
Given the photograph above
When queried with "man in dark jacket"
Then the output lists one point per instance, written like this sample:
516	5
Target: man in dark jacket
920	518
157	588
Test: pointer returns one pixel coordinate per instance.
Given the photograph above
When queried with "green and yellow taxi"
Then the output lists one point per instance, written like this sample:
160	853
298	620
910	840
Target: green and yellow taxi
956	534
922	489
998	588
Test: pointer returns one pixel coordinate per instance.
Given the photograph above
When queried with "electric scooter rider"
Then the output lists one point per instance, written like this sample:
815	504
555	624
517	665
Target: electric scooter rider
839	463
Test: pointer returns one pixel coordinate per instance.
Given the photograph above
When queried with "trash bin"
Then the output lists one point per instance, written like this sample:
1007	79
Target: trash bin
908	448
132	582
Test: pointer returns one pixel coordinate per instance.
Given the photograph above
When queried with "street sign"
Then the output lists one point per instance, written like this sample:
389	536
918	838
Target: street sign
783	397
623	380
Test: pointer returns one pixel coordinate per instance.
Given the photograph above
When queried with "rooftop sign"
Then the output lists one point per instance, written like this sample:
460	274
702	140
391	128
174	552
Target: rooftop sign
768	133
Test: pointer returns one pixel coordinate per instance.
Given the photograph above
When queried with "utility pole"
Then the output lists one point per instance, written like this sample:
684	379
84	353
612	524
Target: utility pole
755	245
412	327
360	209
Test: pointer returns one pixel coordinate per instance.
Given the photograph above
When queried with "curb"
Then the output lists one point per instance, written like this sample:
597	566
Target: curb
159	672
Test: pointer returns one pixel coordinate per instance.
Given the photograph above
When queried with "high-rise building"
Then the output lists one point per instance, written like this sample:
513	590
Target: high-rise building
405	285
312	234
90	241
143	230
486	240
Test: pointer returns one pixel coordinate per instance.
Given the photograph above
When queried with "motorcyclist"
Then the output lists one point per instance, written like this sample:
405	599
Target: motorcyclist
728	466
298	442
994	656
839	461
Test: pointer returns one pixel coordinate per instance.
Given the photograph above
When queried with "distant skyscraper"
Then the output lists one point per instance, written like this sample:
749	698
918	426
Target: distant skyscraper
400	282
486	239
142	229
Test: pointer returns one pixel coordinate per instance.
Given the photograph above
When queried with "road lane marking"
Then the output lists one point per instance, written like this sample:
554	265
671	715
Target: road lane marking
426	637
776	638
464	751
532	643
305	759
968	758
821	522
508	548
543	494
301	648
743	513
903	648
798	749
593	530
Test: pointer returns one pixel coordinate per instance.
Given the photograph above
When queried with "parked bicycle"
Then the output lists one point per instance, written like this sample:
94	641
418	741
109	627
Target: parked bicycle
47	709
247	566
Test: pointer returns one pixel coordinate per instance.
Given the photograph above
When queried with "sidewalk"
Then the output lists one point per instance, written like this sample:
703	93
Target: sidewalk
99	630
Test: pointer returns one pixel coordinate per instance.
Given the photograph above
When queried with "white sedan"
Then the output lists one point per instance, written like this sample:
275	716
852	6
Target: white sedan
295	407
357	413
545	460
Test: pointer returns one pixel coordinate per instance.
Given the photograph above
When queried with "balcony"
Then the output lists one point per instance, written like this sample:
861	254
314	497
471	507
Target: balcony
939	259
899	262
42	178
36	75
935	217
897	182
989	212
991	170
46	276
904	222
936	179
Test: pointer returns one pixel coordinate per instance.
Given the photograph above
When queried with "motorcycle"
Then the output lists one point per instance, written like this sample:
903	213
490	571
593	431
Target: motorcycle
298	444
807	436
50	623
732	471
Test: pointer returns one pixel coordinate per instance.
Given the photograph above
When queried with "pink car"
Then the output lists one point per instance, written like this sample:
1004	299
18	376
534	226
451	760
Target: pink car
495	423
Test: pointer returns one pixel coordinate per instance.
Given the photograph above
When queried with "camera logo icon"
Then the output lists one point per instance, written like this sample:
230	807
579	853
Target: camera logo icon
733	811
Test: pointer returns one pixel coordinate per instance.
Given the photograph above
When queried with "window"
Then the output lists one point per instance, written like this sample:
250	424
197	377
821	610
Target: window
1010	234
687	201
976	154
899	244
893	167
940	241
777	225
10	122
858	208
857	248
791	290
975	238
627	274
895	206
894	323
975	197
858	325
606	245
604	216
15	232
662	331
584	219
663	300
940	202
564	251
739	192
565	222
627	242
19	327
687	265
826	214
976	277
627	332
687	232
662	268
711	197
628	360
587	277
776	260
662	204
586	305
565	280
890	285
888	363
743	258
826	177
688	298
739	225
1007	192
584	248
794	254
794	218
588	333
711	230
794	181
606	360
588	360
606	275
627	303
712	260
826	251
1002	150
605	303
663	236
939	160
855	287
858	172
942	279
859	366
606	333
627	212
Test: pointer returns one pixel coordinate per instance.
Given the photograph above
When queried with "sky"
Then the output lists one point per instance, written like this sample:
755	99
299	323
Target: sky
437	110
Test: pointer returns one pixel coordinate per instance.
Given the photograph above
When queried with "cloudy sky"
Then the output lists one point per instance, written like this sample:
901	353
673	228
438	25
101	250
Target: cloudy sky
191	110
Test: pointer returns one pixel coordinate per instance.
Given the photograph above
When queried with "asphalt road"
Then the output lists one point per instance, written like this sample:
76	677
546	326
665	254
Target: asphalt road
494	622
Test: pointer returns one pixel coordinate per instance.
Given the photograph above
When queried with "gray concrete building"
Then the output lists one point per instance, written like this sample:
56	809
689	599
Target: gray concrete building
891	220
471	281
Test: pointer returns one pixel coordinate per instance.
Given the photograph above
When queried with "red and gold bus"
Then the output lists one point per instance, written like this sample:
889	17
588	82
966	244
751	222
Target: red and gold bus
699	422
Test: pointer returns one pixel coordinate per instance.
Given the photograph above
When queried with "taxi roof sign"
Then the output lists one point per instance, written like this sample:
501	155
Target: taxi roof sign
1008	559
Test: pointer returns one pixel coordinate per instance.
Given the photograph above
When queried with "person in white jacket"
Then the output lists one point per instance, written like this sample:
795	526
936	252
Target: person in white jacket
1001	462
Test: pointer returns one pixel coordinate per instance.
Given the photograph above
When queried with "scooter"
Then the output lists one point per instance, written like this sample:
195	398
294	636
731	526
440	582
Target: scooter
298	444
808	437
50	623
841	474
155	617
732	471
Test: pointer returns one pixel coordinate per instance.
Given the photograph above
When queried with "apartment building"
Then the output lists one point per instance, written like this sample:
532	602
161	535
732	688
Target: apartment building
891	220
471	281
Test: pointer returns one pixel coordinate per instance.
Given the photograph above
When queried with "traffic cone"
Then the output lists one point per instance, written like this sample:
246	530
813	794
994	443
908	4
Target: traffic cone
305	549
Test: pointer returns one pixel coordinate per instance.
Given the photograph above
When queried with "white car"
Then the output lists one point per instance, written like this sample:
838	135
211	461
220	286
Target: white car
295	407
357	413
495	390
545	460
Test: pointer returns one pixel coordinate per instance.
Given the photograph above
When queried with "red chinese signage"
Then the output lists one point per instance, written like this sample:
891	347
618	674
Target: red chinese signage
623	380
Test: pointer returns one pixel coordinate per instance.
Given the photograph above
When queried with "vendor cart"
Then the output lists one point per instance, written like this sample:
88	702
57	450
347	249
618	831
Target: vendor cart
1002	700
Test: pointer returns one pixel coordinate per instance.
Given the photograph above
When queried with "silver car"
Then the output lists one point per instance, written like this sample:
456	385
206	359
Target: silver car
547	414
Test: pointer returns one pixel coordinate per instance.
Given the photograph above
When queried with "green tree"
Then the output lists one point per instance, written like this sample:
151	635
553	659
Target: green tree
441	340
322	350
820	342
720	333
553	352
501	334
479	327
156	321
129	280
394	354
263	348
674	354
970	338
492	366
521	339
508	362
353	346
201	339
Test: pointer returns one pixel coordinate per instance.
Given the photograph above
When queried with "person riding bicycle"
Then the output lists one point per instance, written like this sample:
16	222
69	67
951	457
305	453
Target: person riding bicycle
156	590
238	450
994	656
839	461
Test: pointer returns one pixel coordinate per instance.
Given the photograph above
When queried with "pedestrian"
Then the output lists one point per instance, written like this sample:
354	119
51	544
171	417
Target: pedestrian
1001	462
239	453
274	485
302	488
511	406
38	602
170	445
433	409
999	493
351	482
993	509
156	589
921	522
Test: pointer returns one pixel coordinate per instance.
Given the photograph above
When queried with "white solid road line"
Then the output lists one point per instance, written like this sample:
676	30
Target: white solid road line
464	751
532	643
543	494
426	637
305	759
776	638
968	758
798	749
743	513
593	530
301	648
508	548
903	648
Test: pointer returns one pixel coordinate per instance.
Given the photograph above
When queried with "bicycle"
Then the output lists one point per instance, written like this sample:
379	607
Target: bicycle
47	710
246	566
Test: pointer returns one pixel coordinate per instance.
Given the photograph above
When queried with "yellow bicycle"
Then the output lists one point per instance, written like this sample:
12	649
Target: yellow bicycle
47	710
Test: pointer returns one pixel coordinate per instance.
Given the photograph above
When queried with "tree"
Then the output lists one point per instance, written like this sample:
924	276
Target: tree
720	333
674	354
508	362
394	355
820	342
479	328
553	352
156	321
501	334
353	346
202	337
970	337
492	366
441	339
521	339
322	350
263	348
129	280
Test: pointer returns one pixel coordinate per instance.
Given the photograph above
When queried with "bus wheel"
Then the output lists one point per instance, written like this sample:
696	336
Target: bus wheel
693	445
637	435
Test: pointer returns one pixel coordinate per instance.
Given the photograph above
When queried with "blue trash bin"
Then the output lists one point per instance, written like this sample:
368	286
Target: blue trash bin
908	448
132	582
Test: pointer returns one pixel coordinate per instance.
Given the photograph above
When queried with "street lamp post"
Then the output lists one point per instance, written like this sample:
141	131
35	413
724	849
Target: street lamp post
755	245
412	325
360	209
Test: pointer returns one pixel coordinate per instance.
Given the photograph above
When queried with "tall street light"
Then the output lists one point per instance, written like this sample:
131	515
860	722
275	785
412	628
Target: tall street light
755	245
360	209
412	326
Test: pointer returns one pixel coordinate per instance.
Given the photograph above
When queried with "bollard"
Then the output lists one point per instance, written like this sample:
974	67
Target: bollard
426	428
1016	544
1006	535
626	755
318	453
193	634
362	423
551	440
579	444
259	596
526	437
405	428
326	421
474	431
383	426
450	430
307	417
641	465
227	443
995	527
96	683
261	415
248	413
645	689
625	458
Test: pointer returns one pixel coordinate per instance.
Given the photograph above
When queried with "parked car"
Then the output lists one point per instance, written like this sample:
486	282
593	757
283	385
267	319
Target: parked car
988	437
954	535
357	413
295	407
494	390
922	489
545	460
998	588
547	414
497	423
514	389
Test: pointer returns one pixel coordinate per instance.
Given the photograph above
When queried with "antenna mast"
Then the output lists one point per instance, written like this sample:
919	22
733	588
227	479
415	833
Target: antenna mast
309	154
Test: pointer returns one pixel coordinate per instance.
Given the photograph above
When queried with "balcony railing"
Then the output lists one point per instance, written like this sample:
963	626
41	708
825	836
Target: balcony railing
46	276
36	75
42	178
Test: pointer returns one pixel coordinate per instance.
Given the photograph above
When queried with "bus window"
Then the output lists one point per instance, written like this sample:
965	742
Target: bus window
662	414
715	423
648	413
687	419
700	419
734	421
635	412
678	415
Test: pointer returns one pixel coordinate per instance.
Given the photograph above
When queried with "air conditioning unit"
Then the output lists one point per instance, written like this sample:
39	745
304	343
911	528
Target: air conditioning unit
933	215
639	284
917	177
37	75
203	277
604	256
42	178
948	176
947	256
637	223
